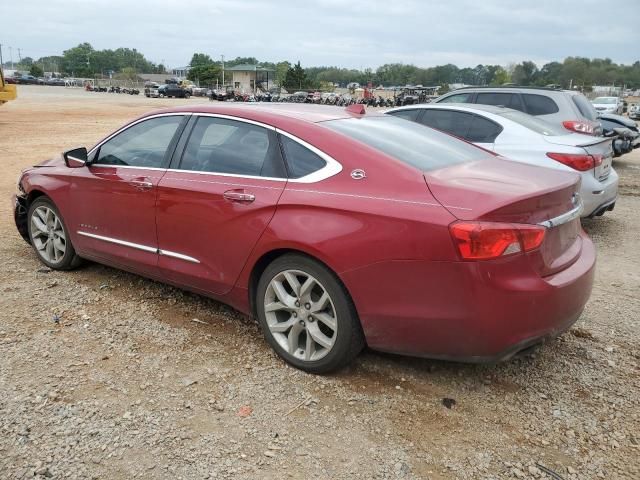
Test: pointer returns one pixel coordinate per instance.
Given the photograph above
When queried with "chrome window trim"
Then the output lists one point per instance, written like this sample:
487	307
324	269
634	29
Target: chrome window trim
138	246
333	167
564	218
103	165
231	175
129	125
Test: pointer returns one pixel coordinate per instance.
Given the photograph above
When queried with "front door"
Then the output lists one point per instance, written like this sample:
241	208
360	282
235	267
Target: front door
114	207
215	205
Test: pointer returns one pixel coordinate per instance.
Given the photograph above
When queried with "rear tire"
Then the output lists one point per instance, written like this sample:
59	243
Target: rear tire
307	316
49	236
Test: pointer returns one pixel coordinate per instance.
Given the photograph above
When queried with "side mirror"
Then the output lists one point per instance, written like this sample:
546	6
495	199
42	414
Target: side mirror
75	158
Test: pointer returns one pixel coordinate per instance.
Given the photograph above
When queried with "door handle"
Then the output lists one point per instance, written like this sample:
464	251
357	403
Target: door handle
142	183
239	196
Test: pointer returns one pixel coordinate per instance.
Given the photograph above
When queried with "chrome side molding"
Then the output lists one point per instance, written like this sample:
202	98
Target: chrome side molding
137	246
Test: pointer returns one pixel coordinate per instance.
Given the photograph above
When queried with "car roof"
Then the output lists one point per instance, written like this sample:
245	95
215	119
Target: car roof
509	87
458	106
267	112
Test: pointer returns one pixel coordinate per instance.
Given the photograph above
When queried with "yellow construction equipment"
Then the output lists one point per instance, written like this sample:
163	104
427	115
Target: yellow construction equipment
7	92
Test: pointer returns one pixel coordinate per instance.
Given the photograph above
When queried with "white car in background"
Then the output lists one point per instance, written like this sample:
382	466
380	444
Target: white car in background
608	105
524	138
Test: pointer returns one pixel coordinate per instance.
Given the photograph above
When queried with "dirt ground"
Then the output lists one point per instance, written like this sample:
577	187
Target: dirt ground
127	385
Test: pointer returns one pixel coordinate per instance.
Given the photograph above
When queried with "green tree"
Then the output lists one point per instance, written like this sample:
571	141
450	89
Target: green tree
36	71
200	59
500	77
281	72
205	74
296	78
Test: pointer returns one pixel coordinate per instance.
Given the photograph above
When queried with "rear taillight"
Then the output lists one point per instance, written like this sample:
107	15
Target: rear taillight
487	240
580	126
580	162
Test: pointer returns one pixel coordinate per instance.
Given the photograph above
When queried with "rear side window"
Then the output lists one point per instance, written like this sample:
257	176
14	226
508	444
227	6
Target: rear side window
455	123
300	160
586	109
406	114
423	148
508	100
457	98
539	104
482	130
218	145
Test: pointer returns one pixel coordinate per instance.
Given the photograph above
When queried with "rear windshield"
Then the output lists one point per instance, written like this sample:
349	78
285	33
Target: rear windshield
532	123
422	147
585	107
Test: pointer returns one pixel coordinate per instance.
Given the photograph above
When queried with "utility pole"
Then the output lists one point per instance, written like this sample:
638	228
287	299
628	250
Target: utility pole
11	56
222	56
1	62
19	56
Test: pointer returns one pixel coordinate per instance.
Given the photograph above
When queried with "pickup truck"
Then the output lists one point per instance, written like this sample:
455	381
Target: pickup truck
172	90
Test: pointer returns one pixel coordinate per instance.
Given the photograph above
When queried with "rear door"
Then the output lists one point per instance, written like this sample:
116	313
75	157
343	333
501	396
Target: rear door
214	206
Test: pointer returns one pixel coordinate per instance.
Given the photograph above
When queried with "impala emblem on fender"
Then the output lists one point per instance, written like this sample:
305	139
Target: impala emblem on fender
358	174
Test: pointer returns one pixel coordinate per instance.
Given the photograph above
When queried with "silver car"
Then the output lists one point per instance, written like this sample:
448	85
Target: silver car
566	108
528	139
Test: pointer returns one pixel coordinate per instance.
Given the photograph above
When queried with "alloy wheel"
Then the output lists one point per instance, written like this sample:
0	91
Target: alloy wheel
300	315
48	235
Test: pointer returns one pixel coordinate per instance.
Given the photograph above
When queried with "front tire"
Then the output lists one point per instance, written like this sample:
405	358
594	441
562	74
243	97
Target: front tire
307	316
49	236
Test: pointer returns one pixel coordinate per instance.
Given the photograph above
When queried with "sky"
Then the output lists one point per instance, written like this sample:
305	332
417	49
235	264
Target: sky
344	33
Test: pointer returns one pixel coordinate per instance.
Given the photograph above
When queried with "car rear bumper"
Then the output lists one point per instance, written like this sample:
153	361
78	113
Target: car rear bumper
599	196
468	311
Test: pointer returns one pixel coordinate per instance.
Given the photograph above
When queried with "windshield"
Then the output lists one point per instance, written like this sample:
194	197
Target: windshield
606	100
532	123
422	147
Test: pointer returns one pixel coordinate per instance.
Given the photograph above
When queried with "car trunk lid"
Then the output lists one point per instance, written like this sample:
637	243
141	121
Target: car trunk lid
500	190
599	148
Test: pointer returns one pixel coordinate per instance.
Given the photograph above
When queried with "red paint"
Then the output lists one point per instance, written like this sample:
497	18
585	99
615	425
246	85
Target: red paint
386	237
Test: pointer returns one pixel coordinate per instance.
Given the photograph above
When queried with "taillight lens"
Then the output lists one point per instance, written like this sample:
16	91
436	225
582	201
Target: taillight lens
487	240
580	126
580	162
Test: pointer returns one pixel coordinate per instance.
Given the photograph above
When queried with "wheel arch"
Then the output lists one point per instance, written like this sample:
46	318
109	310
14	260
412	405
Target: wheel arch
270	256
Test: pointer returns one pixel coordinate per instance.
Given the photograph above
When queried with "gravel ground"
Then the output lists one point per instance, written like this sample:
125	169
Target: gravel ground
104	374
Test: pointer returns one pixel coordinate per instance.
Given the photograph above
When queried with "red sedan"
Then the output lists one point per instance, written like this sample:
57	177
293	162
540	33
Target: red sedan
334	227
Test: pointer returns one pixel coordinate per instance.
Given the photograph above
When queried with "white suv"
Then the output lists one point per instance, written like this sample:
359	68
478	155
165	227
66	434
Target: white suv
570	109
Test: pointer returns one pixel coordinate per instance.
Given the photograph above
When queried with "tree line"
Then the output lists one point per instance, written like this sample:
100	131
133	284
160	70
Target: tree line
85	61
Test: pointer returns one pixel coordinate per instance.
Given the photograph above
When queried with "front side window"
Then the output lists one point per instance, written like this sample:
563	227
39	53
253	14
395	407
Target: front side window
219	145
457	98
141	145
300	160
